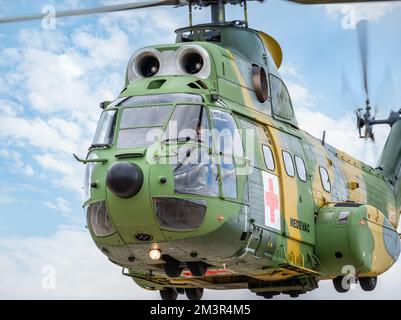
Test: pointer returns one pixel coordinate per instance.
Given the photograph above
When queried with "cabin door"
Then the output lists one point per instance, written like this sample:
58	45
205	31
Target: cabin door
296	202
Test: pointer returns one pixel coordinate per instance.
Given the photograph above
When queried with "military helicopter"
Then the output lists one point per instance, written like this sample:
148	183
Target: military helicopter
200	177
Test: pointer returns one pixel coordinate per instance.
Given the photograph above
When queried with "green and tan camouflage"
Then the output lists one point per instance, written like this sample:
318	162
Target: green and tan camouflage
289	212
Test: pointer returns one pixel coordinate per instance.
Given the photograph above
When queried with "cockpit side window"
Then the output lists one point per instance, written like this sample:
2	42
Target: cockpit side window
105	130
281	101
226	137
227	142
196	172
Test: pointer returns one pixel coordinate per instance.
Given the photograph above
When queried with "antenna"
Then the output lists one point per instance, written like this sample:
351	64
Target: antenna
324	138
246	13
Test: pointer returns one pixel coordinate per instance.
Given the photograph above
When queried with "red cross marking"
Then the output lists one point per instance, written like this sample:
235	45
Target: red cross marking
271	200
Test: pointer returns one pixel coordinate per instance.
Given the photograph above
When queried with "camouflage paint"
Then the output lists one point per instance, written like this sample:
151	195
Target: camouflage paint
255	255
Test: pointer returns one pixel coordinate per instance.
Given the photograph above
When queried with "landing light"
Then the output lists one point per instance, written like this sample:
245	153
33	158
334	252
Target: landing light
155	254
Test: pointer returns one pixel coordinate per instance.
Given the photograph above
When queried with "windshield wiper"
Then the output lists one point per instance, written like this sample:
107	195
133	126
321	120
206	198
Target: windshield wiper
99	145
188	139
183	139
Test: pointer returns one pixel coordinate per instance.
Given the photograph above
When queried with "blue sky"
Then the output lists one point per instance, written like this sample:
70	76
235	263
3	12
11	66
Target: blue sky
52	80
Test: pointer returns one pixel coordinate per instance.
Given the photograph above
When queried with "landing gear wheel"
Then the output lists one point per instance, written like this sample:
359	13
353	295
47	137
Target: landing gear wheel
267	296
338	285
294	295
198	269
169	294
172	267
368	283
194	293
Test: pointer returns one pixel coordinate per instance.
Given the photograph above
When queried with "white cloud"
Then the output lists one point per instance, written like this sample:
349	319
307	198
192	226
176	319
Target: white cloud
110	51
63	172
4	198
8	108
35	132
301	97
352	13
60	205
81	271
15	164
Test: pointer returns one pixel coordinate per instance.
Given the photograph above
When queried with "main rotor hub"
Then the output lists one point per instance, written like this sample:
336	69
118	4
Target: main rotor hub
217	7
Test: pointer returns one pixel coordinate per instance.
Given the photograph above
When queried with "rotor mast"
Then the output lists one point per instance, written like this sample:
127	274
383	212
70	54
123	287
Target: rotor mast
218	12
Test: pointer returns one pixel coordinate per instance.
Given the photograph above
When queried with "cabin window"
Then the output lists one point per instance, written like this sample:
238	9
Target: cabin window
105	130
269	159
288	164
281	100
225	134
301	169
324	176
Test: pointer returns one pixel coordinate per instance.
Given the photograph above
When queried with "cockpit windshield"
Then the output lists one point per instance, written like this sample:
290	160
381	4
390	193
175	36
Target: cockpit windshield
144	117
137	101
143	120
141	126
188	123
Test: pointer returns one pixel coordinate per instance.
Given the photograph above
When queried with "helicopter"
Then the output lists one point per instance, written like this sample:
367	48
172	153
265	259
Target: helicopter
199	176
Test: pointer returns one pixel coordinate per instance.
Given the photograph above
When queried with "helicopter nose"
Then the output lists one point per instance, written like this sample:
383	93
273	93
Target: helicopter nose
124	179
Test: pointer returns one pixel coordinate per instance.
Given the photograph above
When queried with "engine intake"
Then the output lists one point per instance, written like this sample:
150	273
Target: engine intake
148	65
194	60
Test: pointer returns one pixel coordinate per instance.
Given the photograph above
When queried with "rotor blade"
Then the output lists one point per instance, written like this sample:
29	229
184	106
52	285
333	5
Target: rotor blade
362	29
348	95
335	1
385	96
80	12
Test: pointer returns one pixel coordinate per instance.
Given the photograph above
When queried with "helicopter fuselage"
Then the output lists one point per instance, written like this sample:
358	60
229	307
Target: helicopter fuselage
264	206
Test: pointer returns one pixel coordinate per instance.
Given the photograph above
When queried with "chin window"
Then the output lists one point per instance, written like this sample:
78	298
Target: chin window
99	220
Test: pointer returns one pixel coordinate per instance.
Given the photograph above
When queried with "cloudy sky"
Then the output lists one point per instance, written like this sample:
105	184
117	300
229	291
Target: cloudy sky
51	82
